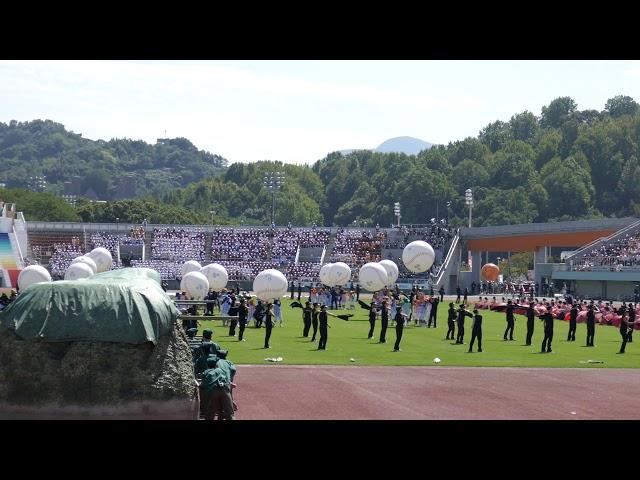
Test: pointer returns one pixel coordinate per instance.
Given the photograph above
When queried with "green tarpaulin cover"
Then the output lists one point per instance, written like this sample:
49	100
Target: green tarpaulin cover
126	305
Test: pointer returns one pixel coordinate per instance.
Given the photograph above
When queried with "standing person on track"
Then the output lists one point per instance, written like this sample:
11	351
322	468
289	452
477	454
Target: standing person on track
314	320
632	321
591	326
510	321
306	319
384	322
547	317
451	322
243	315
441	292
573	319
458	293
476	331
462	312
399	319
531	315
268	324
324	332
372	320
624	331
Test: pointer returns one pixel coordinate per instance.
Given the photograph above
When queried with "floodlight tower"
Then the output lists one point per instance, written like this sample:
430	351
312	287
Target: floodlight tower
273	181
396	211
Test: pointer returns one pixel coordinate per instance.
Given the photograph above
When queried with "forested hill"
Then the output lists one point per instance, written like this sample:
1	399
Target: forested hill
563	164
45	148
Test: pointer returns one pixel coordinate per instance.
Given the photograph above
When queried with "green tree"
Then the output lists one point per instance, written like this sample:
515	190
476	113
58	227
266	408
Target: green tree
621	105
557	112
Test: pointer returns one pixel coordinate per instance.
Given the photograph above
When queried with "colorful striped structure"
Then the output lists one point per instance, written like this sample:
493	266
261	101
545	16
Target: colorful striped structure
7	260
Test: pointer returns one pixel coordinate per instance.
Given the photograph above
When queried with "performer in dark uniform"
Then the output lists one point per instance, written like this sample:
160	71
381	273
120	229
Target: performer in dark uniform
531	315
372	320
243	313
314	321
466	293
510	320
434	312
476	331
384	321
573	320
268	324
451	322
324	332
548	330
632	320
357	292
458	293
591	326
461	314
306	318
299	290
399	319
624	331
441	291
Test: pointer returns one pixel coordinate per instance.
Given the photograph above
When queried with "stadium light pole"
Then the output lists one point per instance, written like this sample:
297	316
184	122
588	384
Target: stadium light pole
212	212
448	211
468	197
396	210
273	181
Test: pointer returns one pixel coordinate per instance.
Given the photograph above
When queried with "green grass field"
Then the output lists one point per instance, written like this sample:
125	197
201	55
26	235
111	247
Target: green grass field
348	339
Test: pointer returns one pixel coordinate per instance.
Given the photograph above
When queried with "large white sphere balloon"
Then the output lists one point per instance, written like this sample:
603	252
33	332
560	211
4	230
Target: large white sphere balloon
190	266
373	276
33	274
418	256
102	257
195	284
392	270
339	274
216	274
88	261
77	271
325	270
270	284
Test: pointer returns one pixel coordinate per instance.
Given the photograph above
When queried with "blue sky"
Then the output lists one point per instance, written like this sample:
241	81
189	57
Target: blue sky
298	111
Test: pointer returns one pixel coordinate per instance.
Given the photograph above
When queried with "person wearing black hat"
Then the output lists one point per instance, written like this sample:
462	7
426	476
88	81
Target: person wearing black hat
210	296
548	330
372	320
462	312
306	318
258	314
268	324
433	315
458	293
324	324
510	320
476	331
441	292
466	293
201	352
451	322
531	315
573	321
243	314
384	321
191	333
632	321
399	319
314	320
591	325
624	329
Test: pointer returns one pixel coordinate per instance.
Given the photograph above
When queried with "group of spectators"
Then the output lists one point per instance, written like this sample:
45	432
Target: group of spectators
63	254
303	271
178	244
357	247
622	254
246	270
168	270
239	244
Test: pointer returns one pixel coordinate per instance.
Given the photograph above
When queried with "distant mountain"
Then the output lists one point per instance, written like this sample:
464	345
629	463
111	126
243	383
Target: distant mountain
408	145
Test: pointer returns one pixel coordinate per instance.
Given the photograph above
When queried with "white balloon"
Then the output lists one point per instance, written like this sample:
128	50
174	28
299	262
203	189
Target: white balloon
325	270
418	256
88	261
78	271
216	274
270	284
392	270
373	276
195	284
339	273
33	274
102	257
190	266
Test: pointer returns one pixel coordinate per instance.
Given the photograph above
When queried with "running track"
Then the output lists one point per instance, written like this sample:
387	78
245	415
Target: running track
276	392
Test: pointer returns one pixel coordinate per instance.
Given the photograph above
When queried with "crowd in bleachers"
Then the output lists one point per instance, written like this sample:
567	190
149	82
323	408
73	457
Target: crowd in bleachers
178	244
621	254
246	270
240	244
63	254
168	270
303	271
357	247
437	235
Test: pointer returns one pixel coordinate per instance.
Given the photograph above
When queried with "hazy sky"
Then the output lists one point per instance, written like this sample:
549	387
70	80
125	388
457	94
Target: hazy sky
298	111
